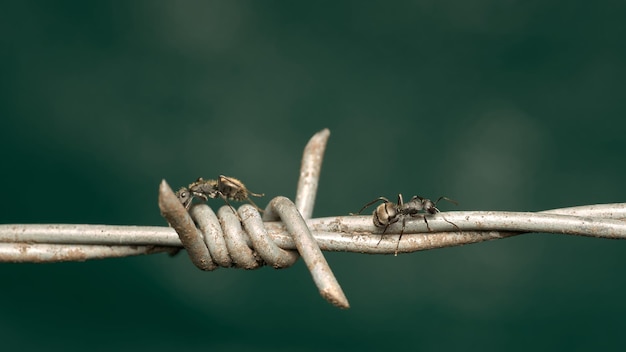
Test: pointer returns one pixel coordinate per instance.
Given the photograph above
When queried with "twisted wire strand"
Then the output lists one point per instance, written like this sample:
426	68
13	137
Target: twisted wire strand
214	241
338	234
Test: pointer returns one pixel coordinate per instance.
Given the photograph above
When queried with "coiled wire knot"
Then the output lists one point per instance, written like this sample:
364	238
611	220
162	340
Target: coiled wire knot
220	240
240	239
231	244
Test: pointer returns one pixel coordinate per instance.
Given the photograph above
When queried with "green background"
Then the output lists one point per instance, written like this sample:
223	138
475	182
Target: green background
500	105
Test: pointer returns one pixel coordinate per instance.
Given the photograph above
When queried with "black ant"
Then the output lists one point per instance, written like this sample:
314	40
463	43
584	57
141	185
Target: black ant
224	187
389	213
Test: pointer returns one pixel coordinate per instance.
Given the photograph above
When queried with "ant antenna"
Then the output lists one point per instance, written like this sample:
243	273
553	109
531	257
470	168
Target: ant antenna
369	204
446	198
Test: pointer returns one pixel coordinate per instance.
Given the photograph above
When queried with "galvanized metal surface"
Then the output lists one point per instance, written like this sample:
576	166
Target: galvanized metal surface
236	240
250	241
592	221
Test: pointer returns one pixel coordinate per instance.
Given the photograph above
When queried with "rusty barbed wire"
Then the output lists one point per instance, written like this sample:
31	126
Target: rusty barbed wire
250	241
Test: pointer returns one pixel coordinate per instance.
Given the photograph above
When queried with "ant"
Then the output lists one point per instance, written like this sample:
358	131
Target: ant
224	187
389	213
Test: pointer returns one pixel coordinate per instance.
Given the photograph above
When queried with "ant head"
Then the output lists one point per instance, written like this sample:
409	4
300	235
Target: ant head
429	206
184	196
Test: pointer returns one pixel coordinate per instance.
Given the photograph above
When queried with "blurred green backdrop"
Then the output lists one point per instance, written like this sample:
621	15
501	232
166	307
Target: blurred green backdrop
501	105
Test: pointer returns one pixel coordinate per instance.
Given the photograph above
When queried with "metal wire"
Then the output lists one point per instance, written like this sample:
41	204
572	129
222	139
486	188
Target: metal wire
250	241
223	238
339	234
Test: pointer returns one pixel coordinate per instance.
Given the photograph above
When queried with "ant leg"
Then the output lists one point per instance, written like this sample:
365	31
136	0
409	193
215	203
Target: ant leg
427	226
370	203
231	207
444	219
400	238
255	206
382	234
453	224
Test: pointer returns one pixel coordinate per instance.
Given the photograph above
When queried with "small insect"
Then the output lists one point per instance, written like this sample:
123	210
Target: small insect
389	213
224	187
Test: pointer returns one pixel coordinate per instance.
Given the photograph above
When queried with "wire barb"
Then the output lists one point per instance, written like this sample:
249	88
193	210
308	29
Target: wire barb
224	238
281	207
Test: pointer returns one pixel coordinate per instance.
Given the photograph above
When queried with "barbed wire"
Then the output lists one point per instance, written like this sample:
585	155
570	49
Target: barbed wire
249	240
